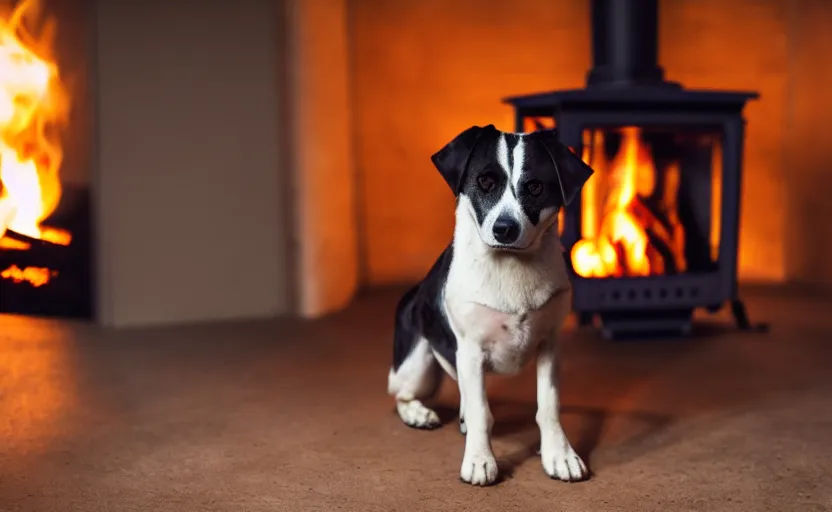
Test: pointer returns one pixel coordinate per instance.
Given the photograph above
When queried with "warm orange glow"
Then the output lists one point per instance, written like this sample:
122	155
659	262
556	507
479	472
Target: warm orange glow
617	244
716	201
39	377
33	104
36	276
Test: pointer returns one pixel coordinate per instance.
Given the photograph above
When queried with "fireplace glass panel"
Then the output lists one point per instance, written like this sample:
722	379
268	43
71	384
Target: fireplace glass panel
653	205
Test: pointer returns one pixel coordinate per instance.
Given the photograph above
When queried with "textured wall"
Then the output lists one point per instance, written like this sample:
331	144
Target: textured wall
192	195
424	70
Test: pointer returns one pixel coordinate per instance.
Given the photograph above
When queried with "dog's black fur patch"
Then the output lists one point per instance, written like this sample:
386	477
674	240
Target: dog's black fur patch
420	313
481	163
570	172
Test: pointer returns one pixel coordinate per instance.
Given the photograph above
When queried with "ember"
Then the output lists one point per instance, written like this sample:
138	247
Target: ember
36	276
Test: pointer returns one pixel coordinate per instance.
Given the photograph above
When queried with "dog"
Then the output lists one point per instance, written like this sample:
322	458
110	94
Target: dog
496	296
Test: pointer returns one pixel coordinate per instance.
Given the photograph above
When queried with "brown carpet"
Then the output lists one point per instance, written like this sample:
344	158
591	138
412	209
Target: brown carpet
292	416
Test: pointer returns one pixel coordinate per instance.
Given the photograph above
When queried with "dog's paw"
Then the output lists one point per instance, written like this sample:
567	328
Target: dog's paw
479	468
414	414
563	464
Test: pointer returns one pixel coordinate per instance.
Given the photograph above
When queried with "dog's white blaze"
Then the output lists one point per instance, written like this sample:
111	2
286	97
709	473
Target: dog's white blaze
519	153
502	155
513	170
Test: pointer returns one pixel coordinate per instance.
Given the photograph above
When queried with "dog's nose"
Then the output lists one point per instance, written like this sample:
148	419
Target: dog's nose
506	230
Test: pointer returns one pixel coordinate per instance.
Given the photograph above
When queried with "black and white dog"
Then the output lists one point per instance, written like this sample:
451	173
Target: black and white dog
496	296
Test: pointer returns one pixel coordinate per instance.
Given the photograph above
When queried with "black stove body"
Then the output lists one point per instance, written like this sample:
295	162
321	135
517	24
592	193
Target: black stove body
697	133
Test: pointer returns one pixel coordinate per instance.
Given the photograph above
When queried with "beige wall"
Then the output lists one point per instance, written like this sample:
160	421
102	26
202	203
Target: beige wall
425	70
192	194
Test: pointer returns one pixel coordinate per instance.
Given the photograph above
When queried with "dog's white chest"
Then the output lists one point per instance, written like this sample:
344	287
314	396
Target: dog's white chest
508	340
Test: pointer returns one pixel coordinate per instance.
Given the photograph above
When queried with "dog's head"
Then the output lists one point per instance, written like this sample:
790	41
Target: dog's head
513	184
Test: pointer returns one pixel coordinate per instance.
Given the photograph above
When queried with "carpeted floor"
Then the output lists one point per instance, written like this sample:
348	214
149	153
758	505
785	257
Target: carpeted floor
292	416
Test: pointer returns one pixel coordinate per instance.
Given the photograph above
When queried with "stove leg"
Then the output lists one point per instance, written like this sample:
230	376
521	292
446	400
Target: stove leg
741	318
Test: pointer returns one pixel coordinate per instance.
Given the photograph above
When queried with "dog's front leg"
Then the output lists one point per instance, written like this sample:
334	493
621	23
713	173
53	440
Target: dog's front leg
478	464
559	459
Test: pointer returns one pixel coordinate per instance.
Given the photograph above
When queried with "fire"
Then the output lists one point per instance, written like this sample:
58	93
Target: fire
36	276
33	104
625	240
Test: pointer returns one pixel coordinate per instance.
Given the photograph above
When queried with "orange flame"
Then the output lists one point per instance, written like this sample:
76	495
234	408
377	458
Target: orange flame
32	103
619	244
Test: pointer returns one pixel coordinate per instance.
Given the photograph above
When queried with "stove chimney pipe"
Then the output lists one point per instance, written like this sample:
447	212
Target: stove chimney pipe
625	43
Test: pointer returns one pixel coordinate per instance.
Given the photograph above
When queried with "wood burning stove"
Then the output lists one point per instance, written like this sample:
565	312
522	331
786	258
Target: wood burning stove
45	242
654	235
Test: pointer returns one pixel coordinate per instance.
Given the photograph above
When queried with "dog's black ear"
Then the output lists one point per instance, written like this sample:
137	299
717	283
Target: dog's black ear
452	160
571	171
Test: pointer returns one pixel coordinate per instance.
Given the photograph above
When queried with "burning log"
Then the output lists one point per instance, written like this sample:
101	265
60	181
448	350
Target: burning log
666	263
32	252
662	235
656	258
12	244
35	276
623	268
30	241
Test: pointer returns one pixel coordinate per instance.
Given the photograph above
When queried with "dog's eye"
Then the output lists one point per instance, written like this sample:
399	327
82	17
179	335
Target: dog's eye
534	187
486	182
